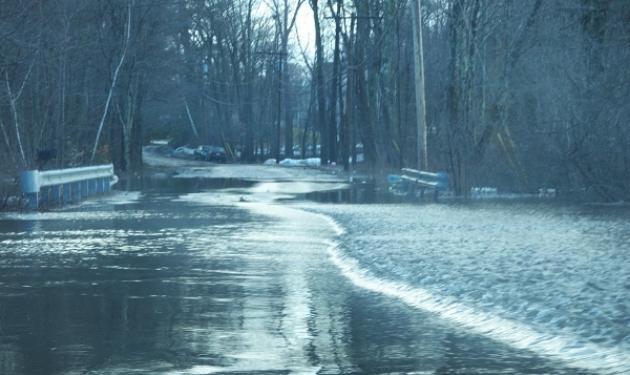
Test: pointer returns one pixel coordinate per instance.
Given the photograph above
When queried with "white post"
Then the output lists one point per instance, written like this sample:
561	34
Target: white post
30	184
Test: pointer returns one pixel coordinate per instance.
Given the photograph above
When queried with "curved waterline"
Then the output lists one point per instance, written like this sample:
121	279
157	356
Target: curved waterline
568	348
573	351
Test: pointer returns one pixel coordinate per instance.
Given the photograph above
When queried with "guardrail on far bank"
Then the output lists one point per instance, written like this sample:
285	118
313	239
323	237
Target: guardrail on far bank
412	180
62	186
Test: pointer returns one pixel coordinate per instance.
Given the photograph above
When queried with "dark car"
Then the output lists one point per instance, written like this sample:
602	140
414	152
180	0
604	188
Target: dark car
211	153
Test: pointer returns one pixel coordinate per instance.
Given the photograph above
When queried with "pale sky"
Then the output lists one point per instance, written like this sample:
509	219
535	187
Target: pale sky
304	28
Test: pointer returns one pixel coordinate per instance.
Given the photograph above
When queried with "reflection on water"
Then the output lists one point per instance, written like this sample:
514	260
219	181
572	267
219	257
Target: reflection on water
358	192
210	283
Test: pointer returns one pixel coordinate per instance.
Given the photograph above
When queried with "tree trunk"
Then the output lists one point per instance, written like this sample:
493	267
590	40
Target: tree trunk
248	149
332	125
114	79
348	115
319	82
13	101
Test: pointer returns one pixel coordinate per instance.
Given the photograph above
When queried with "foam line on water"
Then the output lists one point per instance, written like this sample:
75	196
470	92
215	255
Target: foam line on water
571	350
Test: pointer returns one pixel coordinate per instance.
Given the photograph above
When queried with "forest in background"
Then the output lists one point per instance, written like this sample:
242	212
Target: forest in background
518	94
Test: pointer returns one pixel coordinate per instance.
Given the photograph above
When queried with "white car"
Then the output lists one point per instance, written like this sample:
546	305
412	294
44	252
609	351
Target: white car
184	153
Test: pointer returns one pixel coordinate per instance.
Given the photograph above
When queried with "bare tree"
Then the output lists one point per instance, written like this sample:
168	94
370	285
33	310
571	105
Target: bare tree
114	79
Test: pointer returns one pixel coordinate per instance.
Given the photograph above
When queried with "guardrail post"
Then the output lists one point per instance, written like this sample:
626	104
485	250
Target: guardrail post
442	180
29	181
66	196
44	196
84	189
99	185
76	191
92	186
55	194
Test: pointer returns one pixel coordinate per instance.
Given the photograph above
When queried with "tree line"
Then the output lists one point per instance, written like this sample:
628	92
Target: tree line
516	94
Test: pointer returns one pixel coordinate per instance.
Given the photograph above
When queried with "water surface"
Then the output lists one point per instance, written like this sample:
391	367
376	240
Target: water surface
183	280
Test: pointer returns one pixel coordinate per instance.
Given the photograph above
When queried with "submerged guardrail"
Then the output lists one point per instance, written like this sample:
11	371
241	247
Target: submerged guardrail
61	186
412	179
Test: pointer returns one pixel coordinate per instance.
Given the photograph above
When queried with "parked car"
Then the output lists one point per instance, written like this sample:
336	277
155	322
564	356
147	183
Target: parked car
211	153
184	153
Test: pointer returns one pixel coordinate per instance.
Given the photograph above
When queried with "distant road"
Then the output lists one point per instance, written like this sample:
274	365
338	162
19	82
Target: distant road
254	172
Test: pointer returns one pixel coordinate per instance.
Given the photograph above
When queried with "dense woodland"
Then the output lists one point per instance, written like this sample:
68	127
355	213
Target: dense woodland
519	94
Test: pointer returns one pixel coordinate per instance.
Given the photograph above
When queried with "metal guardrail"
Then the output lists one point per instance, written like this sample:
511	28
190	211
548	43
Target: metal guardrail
61	186
426	179
412	180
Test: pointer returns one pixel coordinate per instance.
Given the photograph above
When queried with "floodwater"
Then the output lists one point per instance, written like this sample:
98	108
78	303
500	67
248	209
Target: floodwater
193	277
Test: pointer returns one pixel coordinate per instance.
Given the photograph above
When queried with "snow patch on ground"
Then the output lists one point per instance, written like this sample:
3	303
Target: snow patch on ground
310	162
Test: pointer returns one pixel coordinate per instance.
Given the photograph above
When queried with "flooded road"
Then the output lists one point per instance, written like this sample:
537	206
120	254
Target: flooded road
549	279
186	278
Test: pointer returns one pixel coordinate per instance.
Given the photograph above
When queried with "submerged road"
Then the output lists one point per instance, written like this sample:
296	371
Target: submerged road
187	279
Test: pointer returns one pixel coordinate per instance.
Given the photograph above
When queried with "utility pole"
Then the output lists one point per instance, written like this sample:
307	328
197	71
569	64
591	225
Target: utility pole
422	161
